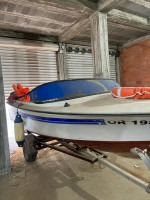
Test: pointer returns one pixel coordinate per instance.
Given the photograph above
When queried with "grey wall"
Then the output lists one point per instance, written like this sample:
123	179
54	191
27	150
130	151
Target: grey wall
4	147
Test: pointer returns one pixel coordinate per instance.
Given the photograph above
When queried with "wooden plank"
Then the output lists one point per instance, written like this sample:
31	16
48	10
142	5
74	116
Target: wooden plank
130	18
100	50
35	18
126	27
29	36
106	6
75	29
82	23
114	15
133	21
4	147
27	44
132	42
143	3
30	29
79	41
66	7
83	3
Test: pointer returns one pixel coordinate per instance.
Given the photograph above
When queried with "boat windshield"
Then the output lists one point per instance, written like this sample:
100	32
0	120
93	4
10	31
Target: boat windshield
69	89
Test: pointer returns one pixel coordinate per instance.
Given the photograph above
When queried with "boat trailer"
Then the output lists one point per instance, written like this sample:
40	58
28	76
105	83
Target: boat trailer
33	143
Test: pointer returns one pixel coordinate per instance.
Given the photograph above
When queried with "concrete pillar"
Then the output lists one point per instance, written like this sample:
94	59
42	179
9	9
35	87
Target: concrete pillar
4	146
100	49
118	70
61	58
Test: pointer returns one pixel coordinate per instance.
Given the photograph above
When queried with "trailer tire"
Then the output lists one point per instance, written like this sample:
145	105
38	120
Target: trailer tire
29	151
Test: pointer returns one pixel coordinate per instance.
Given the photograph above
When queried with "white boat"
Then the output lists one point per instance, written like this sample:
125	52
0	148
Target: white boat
92	119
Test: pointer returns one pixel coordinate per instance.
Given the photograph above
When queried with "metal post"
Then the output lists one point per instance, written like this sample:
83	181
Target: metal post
4	146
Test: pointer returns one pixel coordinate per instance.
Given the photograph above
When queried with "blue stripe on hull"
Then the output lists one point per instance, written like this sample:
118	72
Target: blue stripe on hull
64	120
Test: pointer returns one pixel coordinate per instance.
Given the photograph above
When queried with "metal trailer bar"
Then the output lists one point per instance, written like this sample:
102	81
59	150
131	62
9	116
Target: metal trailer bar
125	174
80	156
120	171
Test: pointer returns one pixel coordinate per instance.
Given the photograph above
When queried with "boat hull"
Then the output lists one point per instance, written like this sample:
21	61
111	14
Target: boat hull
113	133
113	146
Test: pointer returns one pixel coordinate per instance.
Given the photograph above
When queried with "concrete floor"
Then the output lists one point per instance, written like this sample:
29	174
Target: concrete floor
55	176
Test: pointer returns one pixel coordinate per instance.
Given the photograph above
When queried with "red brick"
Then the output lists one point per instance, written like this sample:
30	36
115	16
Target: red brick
135	68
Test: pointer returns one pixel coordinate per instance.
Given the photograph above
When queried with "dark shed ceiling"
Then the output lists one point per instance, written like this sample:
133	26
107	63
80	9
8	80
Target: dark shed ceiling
54	17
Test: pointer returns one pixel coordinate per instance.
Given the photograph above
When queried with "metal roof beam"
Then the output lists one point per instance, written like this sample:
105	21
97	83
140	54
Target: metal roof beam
132	42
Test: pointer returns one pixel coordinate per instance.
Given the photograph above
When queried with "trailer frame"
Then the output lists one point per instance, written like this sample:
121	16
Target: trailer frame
33	143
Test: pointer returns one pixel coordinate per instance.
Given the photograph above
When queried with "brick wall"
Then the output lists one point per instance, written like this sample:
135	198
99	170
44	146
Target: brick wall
135	65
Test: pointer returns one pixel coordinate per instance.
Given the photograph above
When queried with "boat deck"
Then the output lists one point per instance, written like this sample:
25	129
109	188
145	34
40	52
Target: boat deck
95	104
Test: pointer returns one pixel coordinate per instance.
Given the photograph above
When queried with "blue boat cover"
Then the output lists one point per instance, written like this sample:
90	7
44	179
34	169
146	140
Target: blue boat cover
68	89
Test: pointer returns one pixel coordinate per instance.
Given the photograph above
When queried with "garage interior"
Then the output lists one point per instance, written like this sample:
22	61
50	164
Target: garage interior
47	40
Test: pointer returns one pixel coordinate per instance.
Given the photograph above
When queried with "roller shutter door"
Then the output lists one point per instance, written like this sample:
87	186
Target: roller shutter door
27	67
79	65
112	64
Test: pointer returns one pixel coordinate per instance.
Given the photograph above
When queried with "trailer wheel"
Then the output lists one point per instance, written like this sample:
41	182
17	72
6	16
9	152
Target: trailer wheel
29	151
